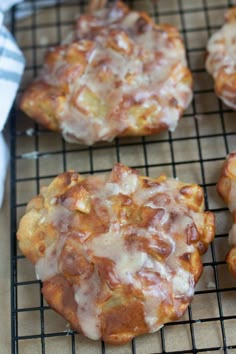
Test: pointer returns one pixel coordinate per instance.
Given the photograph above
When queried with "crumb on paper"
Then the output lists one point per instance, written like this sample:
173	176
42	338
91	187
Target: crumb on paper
211	285
30	155
30	132
198	321
44	40
33	155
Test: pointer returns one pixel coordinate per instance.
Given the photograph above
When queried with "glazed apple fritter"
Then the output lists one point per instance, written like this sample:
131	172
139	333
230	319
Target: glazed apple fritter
221	63
227	189
118	253
120	75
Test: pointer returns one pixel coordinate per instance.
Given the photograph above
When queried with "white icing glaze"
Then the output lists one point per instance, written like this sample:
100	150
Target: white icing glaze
127	263
128	183
47	266
57	218
111	189
88	312
158	267
153	297
183	283
142	196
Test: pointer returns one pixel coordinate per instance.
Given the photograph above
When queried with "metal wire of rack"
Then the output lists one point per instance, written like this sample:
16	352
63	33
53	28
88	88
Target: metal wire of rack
194	153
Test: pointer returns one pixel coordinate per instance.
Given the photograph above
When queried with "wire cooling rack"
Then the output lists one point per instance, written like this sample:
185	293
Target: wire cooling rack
194	153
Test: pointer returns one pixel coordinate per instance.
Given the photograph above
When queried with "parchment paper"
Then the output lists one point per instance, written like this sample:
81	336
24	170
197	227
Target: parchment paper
208	134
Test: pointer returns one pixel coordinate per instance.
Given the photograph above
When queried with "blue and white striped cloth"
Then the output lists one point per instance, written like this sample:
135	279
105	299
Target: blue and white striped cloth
11	69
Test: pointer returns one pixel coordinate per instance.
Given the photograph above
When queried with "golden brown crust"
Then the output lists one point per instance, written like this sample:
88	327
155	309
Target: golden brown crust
220	61
59	294
227	176
124	320
119	254
226	187
231	260
121	75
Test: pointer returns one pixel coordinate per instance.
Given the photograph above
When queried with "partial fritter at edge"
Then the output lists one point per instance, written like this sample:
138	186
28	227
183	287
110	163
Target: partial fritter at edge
226	187
220	60
119	253
120	75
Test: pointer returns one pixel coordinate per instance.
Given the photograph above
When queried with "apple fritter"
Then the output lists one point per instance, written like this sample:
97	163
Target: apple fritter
120	75
118	253
220	61
226	187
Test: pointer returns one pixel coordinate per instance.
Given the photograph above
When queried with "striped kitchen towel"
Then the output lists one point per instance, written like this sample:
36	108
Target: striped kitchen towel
11	68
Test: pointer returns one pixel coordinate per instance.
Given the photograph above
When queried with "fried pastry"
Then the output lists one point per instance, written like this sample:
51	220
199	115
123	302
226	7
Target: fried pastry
221	62
118	253
119	75
226	187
